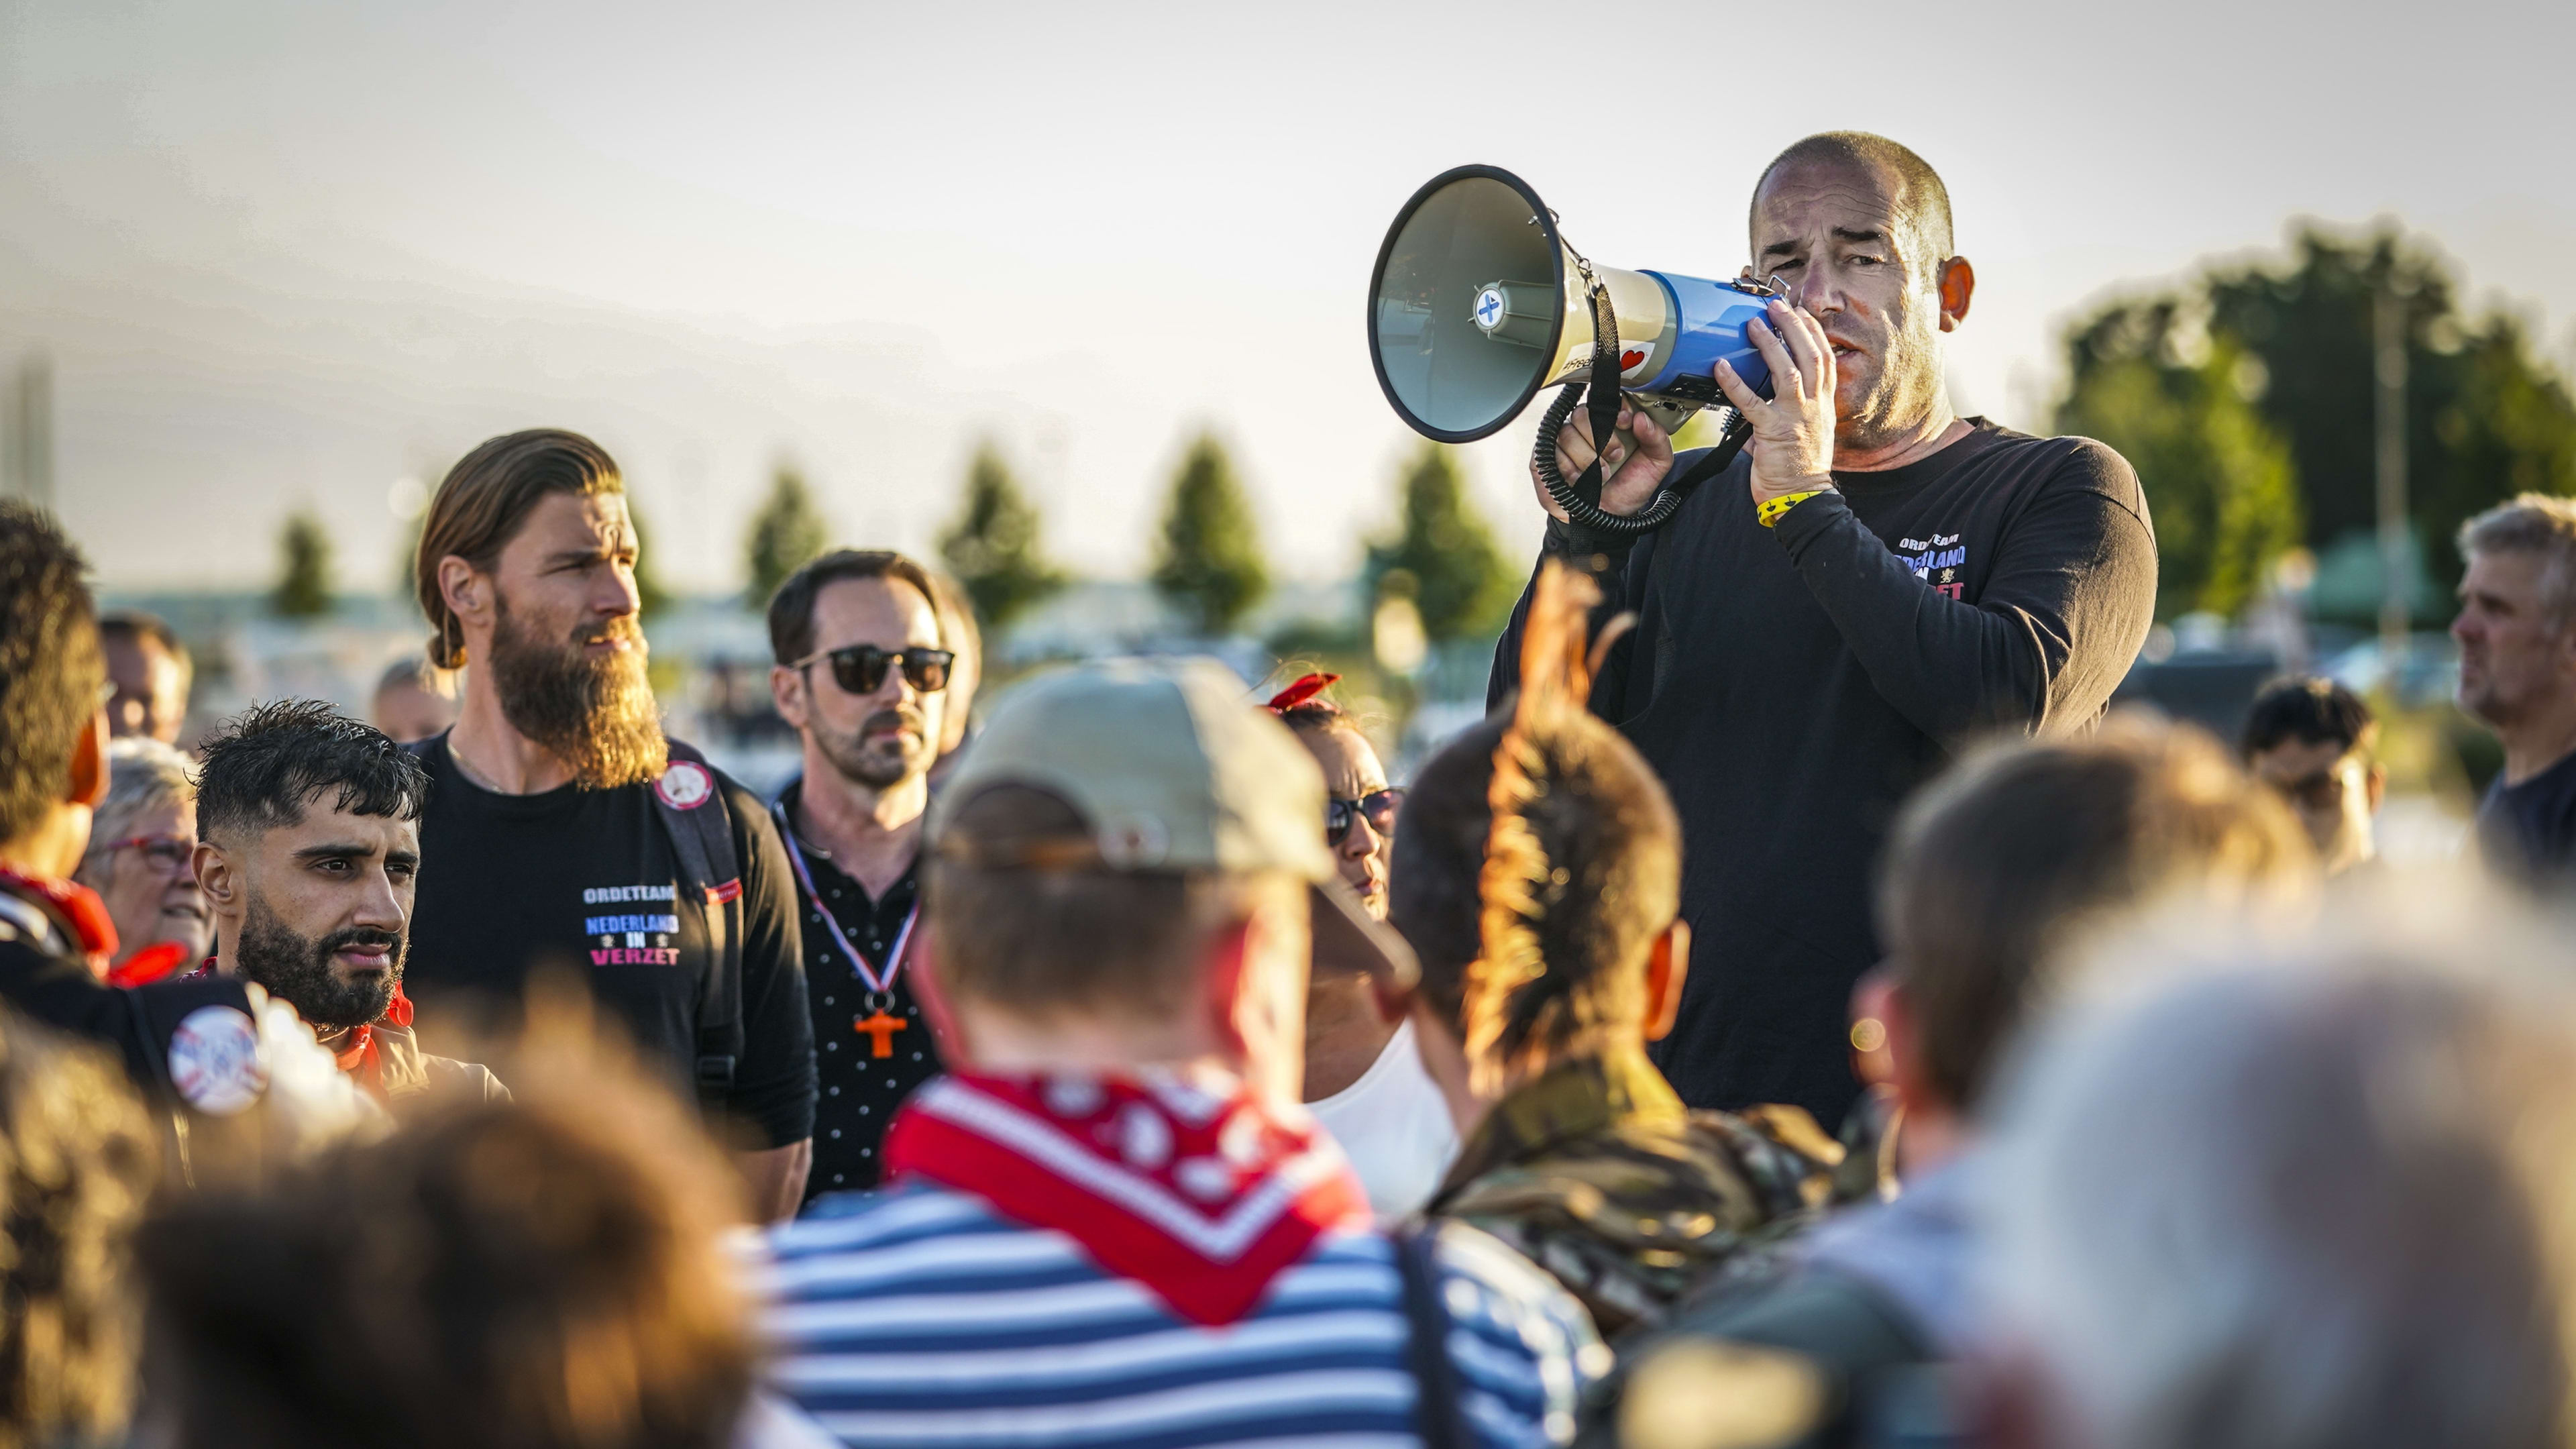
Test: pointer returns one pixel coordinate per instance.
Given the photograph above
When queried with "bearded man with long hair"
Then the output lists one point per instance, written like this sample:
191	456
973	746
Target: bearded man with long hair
565	830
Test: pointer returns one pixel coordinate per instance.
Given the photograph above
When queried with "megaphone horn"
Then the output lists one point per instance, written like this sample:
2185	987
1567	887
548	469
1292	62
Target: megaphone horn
1477	302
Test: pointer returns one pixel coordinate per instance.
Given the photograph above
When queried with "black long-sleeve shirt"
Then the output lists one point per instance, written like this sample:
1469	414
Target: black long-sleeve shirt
1793	685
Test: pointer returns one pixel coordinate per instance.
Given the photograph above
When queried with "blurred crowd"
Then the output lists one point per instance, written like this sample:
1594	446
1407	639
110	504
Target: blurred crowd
2184	1121
1135	1063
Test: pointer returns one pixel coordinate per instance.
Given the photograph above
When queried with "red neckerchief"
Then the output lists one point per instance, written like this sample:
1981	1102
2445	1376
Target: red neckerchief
357	1054
1191	1187
76	906
152	963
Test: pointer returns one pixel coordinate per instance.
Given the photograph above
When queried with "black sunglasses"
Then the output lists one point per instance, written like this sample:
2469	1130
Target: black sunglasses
861	668
1380	808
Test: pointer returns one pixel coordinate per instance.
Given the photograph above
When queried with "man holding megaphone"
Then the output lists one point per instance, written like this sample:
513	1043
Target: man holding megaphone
1873	582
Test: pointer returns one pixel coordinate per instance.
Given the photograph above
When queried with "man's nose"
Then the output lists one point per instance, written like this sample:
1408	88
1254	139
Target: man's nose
618	595
1820	292
382	906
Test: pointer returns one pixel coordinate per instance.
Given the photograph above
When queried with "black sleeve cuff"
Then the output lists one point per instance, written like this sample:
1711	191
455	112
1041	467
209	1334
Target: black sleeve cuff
1810	520
1566	541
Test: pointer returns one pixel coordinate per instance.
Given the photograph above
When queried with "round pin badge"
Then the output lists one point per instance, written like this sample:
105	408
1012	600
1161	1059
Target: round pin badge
215	1061
685	785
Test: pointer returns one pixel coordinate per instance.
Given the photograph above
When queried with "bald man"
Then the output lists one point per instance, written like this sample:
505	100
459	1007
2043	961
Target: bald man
1822	626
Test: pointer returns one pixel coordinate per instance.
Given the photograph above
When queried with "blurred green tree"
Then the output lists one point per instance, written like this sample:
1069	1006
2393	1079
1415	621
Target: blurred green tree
993	548
786	534
2179	407
2485	418
1209	567
303	568
1460	582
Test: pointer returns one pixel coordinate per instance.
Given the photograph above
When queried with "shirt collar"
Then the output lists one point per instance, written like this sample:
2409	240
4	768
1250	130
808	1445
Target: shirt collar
1574	1099
827	871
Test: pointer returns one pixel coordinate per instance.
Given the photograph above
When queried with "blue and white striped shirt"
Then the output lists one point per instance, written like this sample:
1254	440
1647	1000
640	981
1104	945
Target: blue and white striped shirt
920	1316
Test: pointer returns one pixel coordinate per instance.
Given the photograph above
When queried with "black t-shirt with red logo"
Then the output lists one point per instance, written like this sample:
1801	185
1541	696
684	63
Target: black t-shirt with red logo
1793	685
587	880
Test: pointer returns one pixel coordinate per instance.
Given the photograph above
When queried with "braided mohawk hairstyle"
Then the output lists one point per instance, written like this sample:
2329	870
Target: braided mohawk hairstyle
1581	863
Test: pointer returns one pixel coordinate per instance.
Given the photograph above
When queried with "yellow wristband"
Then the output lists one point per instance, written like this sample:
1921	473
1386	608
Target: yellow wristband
1772	511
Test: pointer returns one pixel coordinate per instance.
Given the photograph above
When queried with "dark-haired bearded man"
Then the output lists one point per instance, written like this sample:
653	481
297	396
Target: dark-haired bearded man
1820	626
310	854
561	822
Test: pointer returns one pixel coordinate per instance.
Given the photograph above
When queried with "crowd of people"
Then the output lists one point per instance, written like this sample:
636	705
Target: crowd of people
1801	1013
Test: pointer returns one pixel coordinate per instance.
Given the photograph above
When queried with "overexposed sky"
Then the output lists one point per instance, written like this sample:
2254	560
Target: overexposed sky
285	254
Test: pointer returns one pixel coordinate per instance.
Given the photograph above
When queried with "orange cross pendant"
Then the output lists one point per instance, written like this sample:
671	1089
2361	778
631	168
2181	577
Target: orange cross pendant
879	1030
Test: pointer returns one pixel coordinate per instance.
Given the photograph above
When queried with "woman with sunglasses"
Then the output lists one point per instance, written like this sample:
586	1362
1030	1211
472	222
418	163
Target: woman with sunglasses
139	859
1364	1081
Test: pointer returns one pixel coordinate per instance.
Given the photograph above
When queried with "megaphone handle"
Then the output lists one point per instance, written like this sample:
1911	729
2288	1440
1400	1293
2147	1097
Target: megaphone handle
1581	499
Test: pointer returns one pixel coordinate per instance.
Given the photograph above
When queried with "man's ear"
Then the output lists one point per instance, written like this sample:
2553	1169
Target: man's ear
1906	1069
1667	966
468	593
1958	288
89	779
1226	996
787	691
220	879
1874	1000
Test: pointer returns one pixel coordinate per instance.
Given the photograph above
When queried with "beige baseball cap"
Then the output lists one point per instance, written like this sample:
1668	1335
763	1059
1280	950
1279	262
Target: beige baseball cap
1175	769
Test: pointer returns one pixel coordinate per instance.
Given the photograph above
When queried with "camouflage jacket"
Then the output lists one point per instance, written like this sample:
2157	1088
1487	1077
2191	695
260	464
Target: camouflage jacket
1597	1172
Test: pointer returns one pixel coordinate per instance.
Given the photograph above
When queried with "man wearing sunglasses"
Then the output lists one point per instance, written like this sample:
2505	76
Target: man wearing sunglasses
863	671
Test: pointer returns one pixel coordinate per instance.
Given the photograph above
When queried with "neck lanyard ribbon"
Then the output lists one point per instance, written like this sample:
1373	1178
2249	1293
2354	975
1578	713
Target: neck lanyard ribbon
878	983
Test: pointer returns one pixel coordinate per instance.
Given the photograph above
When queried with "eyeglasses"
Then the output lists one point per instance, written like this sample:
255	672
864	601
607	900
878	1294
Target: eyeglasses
1380	808
169	854
861	668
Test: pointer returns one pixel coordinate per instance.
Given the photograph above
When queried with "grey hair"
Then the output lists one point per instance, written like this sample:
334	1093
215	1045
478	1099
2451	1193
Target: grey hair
416	670
2534	523
143	774
2303	1197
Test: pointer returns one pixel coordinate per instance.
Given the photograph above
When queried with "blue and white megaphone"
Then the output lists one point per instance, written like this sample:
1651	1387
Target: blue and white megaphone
1477	303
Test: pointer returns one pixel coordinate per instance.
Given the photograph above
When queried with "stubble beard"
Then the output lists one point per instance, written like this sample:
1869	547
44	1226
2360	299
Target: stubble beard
1900	397
595	712
878	767
296	968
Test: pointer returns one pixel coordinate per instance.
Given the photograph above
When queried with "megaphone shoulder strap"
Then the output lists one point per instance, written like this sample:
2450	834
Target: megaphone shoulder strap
1581	499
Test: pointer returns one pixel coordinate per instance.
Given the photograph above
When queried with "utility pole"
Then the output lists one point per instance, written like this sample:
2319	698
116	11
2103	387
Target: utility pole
30	428
2396	561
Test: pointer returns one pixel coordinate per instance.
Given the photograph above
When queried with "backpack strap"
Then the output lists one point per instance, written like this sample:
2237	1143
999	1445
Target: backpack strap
1443	1422
696	816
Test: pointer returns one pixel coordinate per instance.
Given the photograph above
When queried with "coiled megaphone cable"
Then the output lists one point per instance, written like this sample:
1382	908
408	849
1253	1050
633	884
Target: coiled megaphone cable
1586	513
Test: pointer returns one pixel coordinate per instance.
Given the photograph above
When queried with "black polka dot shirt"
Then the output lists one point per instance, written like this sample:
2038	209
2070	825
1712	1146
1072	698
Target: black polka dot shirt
859	1090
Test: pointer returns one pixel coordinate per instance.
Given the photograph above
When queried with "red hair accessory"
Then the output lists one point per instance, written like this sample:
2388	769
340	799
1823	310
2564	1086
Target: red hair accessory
1300	692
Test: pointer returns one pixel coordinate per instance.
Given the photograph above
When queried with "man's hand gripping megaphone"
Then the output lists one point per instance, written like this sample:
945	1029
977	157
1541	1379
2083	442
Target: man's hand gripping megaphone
1793	430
